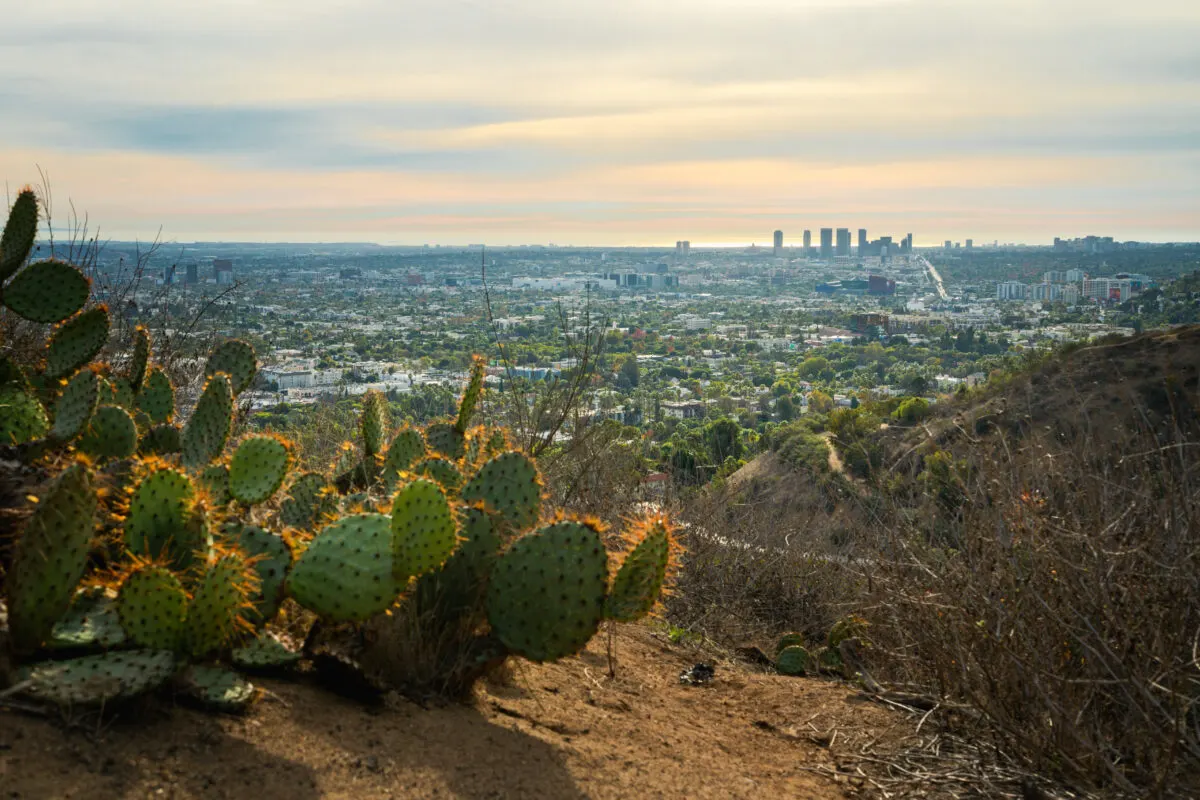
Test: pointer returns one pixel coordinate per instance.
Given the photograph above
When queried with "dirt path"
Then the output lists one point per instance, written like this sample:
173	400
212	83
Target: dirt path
555	731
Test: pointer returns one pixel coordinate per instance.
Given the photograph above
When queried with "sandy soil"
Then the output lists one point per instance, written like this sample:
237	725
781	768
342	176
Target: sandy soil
555	731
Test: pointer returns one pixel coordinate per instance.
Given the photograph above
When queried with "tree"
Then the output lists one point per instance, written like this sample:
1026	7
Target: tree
912	410
628	374
820	402
723	437
785	408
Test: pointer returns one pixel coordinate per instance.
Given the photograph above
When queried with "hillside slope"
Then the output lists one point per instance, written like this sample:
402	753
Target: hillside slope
555	731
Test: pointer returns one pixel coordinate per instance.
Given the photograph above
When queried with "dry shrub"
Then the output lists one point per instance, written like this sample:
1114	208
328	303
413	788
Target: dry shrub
762	558
1062	602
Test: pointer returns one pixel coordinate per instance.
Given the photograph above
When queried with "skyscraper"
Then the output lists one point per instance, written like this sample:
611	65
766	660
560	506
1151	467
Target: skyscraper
807	243
863	242
970	244
826	242
843	241
778	243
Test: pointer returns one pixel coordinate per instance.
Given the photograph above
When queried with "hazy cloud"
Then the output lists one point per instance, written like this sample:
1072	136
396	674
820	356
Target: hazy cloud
611	121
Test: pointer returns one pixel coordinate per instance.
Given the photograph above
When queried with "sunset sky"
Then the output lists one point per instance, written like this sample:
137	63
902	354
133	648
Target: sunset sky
608	121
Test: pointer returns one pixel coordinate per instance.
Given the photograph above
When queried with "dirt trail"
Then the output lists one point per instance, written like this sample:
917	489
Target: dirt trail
553	731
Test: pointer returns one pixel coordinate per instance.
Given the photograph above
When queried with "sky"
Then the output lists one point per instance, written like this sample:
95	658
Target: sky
607	122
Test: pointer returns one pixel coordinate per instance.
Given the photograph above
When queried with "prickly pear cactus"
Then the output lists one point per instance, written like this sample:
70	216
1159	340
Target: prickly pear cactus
310	502
471	395
111	434
136	371
545	599
157	397
161	440
345	575
265	652
22	418
510	485
95	680
236	359
91	623
214	619
76	342
424	532
789	640
794	660
20	231
446	440
258	468
270	559
51	558
76	405
214	480
207	430
160	511
47	291
152	606
639	582
442	471
406	449
373	424
217	688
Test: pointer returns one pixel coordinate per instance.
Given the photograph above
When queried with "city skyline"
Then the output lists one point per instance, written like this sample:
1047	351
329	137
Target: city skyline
1010	120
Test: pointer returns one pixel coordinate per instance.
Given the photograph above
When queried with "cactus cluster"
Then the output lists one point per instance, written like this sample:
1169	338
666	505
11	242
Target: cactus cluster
164	552
793	657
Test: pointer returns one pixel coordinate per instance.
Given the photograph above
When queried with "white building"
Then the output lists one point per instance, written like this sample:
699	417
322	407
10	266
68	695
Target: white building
1011	290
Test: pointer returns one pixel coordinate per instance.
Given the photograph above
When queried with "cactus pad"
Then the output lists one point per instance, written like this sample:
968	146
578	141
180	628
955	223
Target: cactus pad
94	680
22	418
214	615
309	501
442	471
159	515
345	574
121	394
76	342
258	468
794	660
850	627
47	291
153	607
205	434
161	440
508	484
471	395
19	233
423	530
214	480
404	451
237	360
445	439
789	640
157	397
639	581
111	433
264	653
217	688
91	624
51	557
373	423
136	371
76	405
545	599
271	558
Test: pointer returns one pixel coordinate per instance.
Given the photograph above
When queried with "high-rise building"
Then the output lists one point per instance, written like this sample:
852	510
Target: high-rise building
863	242
193	273
843	241
223	270
682	249
778	243
826	242
807	243
949	245
908	244
1011	290
970	244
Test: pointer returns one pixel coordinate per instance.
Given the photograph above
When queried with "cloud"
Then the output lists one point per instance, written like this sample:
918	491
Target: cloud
585	116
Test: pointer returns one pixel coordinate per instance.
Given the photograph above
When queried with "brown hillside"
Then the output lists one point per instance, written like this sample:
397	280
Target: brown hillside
1103	392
